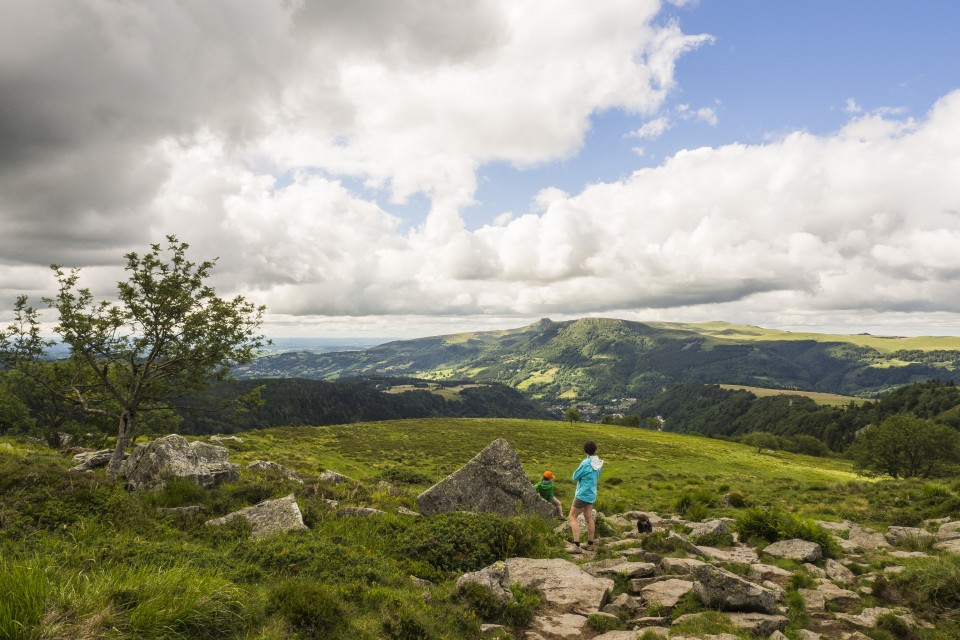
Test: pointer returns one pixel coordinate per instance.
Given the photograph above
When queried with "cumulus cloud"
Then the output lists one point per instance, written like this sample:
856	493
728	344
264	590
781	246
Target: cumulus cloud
246	129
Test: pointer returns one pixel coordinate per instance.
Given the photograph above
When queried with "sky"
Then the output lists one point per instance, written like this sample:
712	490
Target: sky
403	168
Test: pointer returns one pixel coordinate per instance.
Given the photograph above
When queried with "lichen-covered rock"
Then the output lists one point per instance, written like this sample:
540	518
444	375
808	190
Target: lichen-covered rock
333	477
866	539
268	517
799	550
908	535
614	566
724	590
565	586
666	593
172	457
708	528
948	531
493	481
89	460
624	604
759	624
273	467
495	579
838	572
680	566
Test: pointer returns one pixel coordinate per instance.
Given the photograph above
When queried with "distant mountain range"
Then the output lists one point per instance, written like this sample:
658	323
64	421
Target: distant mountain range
611	363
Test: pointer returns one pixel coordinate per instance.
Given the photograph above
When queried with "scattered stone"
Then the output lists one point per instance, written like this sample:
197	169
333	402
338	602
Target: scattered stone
680	566
172	457
799	550
950	546
623	603
407	512
738	554
333	504
487	629
180	512
894	569
495	579
835	527
814	570
684	543
758	623
709	528
614	566
724	590
631	635
225	439
268	517
909	554
806	634
833	594
838	572
273	467
360	512
867	540
813	600
87	461
565	586
778	635
666	593
332	477
779	593
493	481
899	536
764	572
867	618
420	582
948	531
559	625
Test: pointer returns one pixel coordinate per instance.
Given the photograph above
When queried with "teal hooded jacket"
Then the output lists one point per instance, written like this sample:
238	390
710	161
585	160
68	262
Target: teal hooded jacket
586	477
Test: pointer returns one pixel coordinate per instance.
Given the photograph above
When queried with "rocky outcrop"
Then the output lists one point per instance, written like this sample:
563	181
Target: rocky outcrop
273	467
495	579
799	550
333	477
90	460
566	587
493	481
172	457
268	517
666	593
724	590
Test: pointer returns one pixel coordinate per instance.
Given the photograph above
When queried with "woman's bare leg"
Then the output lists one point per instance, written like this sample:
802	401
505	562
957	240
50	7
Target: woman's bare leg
574	525
588	516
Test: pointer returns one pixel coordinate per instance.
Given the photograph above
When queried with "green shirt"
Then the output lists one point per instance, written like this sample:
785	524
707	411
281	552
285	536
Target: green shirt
545	489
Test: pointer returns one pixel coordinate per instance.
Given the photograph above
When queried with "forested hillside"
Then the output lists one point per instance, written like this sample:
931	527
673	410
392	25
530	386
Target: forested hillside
296	401
598	360
710	410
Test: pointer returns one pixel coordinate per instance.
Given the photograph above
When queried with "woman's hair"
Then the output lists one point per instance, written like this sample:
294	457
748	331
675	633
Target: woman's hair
590	447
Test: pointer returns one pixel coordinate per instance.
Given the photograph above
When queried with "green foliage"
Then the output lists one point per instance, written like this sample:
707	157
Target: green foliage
706	623
572	415
796	608
516	613
694	504
310	608
24	587
778	524
904	446
460	542
602	624
930	584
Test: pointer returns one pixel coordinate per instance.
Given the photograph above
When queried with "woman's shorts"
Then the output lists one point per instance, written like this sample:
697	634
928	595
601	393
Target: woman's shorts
580	504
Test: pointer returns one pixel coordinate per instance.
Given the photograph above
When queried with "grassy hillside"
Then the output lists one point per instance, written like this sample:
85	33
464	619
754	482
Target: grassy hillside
828	399
601	361
80	557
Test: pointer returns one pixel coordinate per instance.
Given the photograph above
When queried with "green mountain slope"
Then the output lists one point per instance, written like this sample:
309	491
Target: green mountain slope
598	360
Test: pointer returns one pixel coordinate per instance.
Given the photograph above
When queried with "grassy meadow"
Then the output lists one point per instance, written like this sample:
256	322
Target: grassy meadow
828	399
80	557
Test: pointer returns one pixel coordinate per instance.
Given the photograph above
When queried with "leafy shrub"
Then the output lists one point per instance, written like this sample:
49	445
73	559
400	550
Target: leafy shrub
405	475
467	541
736	500
517	613
930	584
777	524
308	607
694	504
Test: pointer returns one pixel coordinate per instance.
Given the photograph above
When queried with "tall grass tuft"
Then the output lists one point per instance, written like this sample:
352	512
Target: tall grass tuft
777	524
24	586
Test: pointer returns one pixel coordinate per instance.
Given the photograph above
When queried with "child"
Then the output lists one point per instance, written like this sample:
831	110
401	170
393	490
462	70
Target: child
545	489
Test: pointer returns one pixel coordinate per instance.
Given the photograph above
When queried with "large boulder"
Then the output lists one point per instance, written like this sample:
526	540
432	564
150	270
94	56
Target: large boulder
268	517
799	550
724	590
172	457
565	586
901	536
89	460
493	481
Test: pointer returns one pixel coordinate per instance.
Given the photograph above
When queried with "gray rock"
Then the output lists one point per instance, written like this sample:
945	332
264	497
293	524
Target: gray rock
838	572
724	590
836	596
813	601
866	540
666	593
806	634
268	517
708	528
758	623
623	603
899	536
630	635
565	586
493	481
614	566
407	512
762	572
738	553
273	467
950	546
495	579
225	439
172	457
558	625
90	460
948	531
680	566
799	550
333	477
487	629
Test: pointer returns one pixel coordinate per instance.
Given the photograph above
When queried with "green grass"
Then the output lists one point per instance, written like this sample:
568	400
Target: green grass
87	559
829	399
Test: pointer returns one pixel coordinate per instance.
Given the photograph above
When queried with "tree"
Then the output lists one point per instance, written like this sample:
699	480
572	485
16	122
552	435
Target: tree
167	335
904	446
572	415
762	440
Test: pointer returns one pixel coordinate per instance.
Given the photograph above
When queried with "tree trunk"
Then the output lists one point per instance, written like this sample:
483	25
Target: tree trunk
123	438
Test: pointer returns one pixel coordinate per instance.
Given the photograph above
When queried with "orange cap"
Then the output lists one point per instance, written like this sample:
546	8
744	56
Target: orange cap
548	475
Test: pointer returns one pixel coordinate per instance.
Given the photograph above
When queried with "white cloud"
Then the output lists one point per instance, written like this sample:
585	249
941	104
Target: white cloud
652	129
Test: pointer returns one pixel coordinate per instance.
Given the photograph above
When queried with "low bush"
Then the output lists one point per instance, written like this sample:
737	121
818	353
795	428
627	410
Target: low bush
771	525
930	584
516	613
602	623
308	607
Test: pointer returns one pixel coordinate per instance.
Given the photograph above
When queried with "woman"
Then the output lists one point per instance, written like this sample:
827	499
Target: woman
586	477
